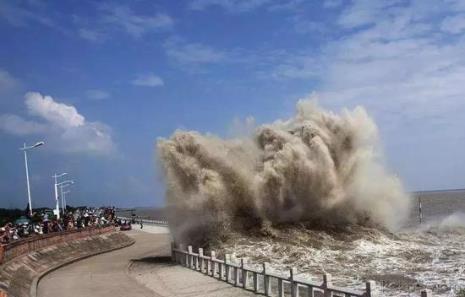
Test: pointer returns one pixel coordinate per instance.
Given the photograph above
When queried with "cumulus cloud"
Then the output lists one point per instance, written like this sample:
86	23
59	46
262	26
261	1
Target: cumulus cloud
58	114
63	127
13	124
148	80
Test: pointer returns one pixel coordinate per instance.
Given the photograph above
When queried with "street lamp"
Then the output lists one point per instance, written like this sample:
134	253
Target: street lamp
25	149
63	193
64	183
56	176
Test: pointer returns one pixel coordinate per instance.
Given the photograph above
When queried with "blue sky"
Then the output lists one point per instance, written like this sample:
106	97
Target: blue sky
101	81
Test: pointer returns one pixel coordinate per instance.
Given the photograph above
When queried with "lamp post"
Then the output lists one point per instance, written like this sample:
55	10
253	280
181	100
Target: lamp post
57	205
63	193
56	194
25	149
63	202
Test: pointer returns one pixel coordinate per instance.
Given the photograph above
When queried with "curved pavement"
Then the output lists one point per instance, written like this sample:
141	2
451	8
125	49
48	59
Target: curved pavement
106	274
150	274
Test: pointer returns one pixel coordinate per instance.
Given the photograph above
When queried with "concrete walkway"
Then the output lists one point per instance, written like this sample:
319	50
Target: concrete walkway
151	274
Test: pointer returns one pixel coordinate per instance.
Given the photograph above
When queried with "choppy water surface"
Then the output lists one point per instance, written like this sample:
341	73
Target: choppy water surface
428	255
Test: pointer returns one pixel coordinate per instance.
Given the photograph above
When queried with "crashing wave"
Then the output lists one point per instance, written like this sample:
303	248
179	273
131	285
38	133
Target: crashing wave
319	168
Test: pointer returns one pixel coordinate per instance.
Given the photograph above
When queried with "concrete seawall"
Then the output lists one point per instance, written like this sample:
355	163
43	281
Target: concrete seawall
25	265
25	246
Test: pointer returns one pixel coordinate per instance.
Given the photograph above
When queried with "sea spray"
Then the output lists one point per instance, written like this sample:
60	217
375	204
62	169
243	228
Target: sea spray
318	168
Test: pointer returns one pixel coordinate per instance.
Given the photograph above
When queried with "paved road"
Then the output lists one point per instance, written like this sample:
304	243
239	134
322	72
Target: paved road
151	274
106	274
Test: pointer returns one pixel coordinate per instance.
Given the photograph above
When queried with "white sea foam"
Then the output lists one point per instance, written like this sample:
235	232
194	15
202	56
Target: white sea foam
402	264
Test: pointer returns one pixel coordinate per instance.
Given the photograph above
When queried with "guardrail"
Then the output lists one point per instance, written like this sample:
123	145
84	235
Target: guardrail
29	244
146	221
264	281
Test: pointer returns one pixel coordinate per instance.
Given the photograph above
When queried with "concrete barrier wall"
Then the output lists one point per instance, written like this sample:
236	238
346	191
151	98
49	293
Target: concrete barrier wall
19	275
27	245
2	253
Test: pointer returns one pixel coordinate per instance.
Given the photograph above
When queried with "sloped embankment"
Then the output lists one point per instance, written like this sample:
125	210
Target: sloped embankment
20	274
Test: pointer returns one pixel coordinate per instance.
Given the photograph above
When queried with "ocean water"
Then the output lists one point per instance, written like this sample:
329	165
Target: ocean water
427	255
438	204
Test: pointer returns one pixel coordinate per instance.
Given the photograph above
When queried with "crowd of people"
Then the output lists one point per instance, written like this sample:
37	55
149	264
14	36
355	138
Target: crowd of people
45	222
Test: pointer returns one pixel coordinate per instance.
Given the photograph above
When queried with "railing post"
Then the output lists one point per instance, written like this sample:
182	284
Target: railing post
190	257
221	269
227	260
294	285
244	274
236	274
209	266
173	253
280	288
370	287
255	282
266	279
213	263
182	258
426	293
200	259
197	262
310	292
327	282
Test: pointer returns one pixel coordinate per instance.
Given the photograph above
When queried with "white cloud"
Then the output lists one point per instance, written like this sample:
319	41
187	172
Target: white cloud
56	113
286	65
394	59
91	35
7	81
296	67
97	94
234	6
148	80
135	24
192	53
398	63
364	12
63	127
454	24
20	16
303	26
13	124
332	3
291	5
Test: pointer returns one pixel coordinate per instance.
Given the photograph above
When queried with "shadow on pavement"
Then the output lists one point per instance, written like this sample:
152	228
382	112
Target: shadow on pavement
154	260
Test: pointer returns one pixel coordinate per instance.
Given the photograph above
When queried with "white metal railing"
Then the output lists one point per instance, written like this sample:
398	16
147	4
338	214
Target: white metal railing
264	281
146	221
